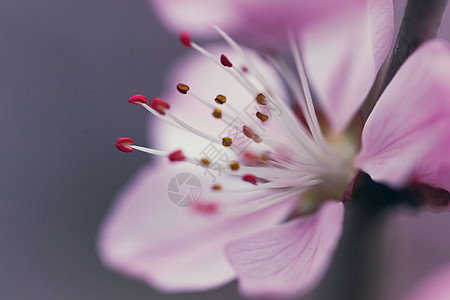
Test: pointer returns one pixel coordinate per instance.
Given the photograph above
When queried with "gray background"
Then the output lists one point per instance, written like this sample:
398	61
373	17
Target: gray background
66	70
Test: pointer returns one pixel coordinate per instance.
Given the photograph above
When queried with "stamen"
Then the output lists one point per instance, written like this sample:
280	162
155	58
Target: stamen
217	187
241	79
177	155
288	172
182	88
220	99
234	165
226	117
262	116
227	141
124	144
159	105
185	38
316	131
194	130
250	178
200	99
300	140
261	99
248	132
157	108
257	139
205	162
225	61
217	113
251	135
137	99
148	150
206	207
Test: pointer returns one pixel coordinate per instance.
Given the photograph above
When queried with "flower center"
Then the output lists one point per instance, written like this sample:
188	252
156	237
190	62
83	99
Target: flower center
289	152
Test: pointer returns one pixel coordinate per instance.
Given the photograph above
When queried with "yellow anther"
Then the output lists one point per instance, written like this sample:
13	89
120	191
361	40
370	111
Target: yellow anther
182	88
220	99
205	162
217	113
217	187
262	116
234	165
227	141
261	99
265	156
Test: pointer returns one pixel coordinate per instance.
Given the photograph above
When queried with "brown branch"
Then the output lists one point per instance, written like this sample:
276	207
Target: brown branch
420	23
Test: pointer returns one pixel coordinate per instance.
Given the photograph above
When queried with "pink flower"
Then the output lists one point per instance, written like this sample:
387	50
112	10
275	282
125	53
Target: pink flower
273	217
435	286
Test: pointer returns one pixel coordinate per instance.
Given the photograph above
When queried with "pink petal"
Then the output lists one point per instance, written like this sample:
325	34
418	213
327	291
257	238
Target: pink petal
343	54
261	22
289	259
175	249
410	121
196	15
434	287
434	168
207	80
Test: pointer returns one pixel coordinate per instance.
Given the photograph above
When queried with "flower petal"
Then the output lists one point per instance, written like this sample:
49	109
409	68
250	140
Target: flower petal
343	54
175	249
434	168
434	287
410	121
196	15
260	22
289	259
207	80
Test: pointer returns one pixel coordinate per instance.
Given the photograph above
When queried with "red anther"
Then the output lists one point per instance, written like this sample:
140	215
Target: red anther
123	144
250	178
177	155
185	38
138	99
159	105
206	207
248	132
225	61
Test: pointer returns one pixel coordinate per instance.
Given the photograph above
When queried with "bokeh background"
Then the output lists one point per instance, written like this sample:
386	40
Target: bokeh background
66	70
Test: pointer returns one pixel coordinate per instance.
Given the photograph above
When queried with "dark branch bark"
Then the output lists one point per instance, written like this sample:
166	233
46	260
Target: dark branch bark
420	23
354	272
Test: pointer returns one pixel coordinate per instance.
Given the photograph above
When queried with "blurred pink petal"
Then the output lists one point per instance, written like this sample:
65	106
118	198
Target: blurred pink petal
261	22
288	259
410	122
147	237
196	15
343	54
435	286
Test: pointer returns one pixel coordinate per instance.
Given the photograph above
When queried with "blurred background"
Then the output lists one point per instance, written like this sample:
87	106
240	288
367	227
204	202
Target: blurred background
66	71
